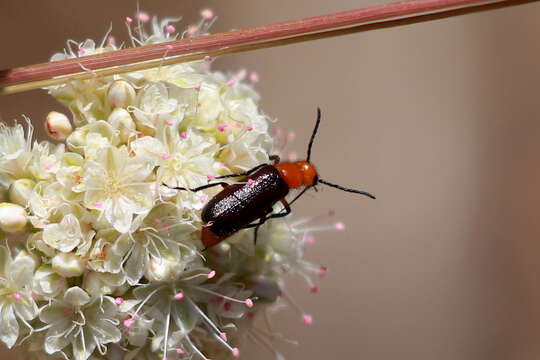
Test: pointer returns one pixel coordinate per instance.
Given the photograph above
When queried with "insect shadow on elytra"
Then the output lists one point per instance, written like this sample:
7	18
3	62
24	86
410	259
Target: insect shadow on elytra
237	206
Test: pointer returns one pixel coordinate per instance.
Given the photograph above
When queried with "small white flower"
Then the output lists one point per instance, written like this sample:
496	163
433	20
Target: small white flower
15	152
80	321
117	185
48	283
16	301
65	236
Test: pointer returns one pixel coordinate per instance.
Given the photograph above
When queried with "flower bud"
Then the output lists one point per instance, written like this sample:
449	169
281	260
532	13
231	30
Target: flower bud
121	94
48	283
20	191
68	265
13	217
159	270
58	126
77	141
121	120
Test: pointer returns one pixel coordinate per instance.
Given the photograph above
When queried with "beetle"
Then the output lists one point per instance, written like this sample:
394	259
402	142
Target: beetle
237	206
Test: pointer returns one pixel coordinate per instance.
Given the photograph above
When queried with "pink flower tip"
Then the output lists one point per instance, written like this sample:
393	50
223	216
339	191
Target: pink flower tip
210	176
309	240
111	40
170	29
98	204
119	301
184	134
169	122
249	127
143	17
168	47
192	30
128	20
207	14
129	322
81	51
249	303
340	226
166	156
236	352
323	270
179	296
223	336
230	82
314	289
254	77
212	274
17	296
222	127
180	352
198	87
207	58
308	319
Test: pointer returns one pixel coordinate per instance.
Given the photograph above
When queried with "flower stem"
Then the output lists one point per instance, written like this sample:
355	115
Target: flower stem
318	27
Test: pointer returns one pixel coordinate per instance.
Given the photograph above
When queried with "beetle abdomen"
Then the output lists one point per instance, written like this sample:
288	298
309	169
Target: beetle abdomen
240	204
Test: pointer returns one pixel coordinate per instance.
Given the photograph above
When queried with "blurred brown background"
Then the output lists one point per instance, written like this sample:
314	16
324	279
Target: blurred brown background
440	120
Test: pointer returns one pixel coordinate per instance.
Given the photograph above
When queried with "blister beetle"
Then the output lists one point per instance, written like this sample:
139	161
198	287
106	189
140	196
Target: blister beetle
237	206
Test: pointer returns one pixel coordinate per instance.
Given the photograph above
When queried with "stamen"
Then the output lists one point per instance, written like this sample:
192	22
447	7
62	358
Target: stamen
170	29
314	289
222	127
169	122
254	77
192	30
166	156
340	226
236	352
184	134
180	352
309	240
223	336
308	319
249	303
143	17
249	127
81	51
207	58
128	323
210	176
230	82
250	182
111	40
119	301
323	270
212	274
207	14
179	296
17	296
128	20
98	204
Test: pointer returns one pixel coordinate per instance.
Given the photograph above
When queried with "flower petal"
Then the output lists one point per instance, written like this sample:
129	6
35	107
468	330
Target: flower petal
76	296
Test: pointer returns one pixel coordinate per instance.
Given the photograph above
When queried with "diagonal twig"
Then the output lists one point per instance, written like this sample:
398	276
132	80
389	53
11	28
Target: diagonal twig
318	27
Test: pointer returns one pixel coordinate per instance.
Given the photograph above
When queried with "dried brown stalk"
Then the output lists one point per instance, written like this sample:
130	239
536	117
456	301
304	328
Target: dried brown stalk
324	26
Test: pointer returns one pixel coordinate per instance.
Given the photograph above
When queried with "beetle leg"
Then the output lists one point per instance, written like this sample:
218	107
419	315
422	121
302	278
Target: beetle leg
250	171
286	207
224	184
275	159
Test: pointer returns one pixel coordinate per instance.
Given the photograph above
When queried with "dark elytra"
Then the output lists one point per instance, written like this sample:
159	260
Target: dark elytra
238	205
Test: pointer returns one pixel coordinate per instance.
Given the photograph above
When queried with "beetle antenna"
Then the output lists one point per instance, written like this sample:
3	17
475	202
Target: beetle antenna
314	133
346	189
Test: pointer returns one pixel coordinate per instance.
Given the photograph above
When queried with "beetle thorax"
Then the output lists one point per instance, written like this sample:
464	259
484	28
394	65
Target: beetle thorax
298	173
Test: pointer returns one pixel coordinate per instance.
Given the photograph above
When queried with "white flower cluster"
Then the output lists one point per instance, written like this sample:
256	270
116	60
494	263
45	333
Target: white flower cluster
109	265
